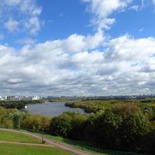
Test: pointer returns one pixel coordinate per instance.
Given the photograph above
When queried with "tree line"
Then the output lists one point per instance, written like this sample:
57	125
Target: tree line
18	104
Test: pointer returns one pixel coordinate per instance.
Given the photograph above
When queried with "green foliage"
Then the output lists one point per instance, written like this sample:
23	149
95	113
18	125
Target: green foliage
12	104
36	122
78	124
5	122
17	118
106	129
68	125
64	99
6	116
18	104
133	129
122	127
61	125
89	106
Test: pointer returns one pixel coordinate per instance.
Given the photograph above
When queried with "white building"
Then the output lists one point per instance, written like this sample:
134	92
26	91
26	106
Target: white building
35	98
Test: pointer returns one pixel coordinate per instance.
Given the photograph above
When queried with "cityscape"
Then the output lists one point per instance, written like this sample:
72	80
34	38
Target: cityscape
49	98
16	98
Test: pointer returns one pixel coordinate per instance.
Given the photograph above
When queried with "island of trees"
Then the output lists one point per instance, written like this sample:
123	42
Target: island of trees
122	125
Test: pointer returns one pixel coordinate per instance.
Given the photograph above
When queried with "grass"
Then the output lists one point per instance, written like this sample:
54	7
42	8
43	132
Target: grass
17	137
12	149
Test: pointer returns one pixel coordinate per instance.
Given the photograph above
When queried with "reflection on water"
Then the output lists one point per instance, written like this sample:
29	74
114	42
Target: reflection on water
51	108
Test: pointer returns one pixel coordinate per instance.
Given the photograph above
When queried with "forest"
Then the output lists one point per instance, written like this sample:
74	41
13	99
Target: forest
122	125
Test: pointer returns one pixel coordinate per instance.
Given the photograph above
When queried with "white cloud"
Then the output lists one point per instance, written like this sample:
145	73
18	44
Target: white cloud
128	49
11	25
33	24
29	7
123	66
139	7
135	7
102	9
13	2
21	13
76	43
37	11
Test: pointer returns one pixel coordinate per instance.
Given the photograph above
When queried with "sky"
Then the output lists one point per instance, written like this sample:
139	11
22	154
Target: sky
77	47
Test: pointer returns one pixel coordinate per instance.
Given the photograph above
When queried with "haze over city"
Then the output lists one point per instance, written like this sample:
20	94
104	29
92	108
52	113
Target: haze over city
77	47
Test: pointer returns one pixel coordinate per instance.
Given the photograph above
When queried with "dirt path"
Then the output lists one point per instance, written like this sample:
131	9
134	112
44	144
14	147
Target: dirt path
51	143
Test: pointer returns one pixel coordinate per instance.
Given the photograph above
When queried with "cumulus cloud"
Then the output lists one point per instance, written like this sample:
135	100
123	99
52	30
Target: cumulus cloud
76	43
20	15
129	49
124	66
102	9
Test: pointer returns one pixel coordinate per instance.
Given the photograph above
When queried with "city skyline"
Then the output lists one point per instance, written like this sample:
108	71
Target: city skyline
77	48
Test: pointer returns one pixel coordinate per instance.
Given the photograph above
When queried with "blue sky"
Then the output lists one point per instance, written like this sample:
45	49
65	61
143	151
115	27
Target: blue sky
80	47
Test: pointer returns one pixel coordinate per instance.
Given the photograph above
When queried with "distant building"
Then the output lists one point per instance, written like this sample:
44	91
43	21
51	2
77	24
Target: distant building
12	98
29	98
21	98
3	98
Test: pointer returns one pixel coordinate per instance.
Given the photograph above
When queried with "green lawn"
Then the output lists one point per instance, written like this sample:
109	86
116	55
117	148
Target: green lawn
16	137
12	149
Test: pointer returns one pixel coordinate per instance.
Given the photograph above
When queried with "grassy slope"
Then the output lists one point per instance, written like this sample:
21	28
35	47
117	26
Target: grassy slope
13	149
16	137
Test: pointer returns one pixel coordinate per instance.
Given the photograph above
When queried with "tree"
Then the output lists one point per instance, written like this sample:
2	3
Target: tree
6	122
120	128
106	129
36	122
133	129
17	119
78	125
61	125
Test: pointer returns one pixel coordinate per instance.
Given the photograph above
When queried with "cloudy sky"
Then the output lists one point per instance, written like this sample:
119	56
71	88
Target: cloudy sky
77	47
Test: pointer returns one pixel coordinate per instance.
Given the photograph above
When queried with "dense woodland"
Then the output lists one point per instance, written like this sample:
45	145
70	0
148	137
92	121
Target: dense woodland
125	125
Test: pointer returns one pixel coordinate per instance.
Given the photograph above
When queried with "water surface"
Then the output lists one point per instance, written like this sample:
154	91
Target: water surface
51	108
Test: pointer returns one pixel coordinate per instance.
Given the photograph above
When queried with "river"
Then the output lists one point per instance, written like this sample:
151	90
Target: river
51	108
